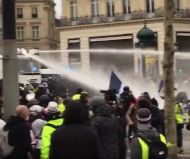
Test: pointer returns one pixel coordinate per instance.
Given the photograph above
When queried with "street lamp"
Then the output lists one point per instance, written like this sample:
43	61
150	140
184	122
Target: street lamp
147	40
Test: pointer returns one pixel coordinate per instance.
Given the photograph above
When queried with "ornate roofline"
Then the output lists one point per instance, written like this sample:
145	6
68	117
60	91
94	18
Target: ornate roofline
130	22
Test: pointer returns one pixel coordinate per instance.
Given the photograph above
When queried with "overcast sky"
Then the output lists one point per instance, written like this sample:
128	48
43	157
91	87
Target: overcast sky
58	8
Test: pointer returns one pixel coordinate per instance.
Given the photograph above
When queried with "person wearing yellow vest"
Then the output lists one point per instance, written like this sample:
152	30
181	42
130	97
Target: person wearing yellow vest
140	148
54	121
61	108
61	105
78	94
179	126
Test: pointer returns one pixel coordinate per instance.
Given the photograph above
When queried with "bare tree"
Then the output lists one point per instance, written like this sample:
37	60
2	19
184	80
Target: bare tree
168	77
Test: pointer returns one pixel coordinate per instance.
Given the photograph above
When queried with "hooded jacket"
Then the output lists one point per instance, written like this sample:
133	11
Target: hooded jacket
46	136
19	137
127	99
107	127
150	134
74	140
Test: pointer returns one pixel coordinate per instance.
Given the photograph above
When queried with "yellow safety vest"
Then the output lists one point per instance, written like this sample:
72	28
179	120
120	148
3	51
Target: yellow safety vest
61	108
76	96
46	137
179	113
145	148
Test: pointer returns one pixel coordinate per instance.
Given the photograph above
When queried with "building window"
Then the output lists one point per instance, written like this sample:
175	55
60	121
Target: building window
95	8
20	32
34	12
74	10
126	7
35	32
150	6
177	4
110	8
19	13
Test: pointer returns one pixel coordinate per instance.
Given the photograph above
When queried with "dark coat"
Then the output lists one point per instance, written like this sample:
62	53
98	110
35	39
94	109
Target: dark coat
126	99
74	140
19	137
107	128
156	120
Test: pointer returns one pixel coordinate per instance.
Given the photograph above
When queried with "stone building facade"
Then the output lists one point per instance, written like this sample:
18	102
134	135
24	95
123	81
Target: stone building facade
35	24
114	24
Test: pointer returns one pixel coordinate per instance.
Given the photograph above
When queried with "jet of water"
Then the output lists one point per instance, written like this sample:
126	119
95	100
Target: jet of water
118	51
90	80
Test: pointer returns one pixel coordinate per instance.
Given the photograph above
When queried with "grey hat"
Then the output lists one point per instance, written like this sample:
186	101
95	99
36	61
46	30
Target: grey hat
35	110
144	116
52	107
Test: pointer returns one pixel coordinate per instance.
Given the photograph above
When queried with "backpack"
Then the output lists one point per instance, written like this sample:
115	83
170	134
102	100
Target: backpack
157	149
5	148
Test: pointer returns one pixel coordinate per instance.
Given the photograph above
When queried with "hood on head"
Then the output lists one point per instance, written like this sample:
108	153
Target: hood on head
150	134
32	102
44	100
74	113
126	89
104	110
146	95
13	120
97	102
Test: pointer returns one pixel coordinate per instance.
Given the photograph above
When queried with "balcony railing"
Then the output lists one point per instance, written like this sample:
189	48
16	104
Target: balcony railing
119	17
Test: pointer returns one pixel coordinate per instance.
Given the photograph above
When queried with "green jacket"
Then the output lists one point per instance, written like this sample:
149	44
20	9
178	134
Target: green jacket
46	137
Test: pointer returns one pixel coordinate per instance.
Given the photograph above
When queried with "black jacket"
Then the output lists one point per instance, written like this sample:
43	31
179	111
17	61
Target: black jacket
156	120
136	150
19	137
126	99
74	140
107	127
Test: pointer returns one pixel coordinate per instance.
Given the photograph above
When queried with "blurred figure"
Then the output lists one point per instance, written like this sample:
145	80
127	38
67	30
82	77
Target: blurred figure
146	136
54	122
40	92
2	124
60	101
156	121
37	124
107	127
23	92
78	94
74	140
142	102
84	99
179	124
132	120
44	100
19	134
35	87
35	113
126	99
32	102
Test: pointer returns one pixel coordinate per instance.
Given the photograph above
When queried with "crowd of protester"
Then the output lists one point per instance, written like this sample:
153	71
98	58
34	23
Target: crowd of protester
49	126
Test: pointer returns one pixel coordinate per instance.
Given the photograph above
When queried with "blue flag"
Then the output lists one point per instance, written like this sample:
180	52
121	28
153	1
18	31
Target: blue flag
115	82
